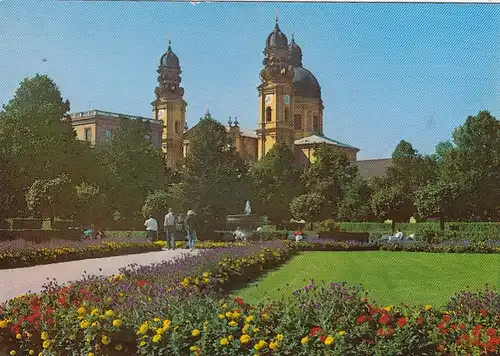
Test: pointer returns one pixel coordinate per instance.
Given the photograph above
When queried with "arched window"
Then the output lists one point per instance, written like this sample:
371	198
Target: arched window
287	113
297	119
176	126
268	114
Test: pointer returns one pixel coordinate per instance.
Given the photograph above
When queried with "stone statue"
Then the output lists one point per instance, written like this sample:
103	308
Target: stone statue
248	208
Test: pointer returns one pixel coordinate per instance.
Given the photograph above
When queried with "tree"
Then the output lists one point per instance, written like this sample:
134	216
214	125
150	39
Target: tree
275	181
308	207
37	139
133	168
156	204
214	178
356	202
393	202
437	199
92	205
329	175
50	197
474	164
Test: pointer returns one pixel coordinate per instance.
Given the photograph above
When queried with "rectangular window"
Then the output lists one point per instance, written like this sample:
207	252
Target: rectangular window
316	124
88	134
108	134
297	119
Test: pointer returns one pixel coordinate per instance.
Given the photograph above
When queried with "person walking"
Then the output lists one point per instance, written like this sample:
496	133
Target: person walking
169	225
151	228
190	223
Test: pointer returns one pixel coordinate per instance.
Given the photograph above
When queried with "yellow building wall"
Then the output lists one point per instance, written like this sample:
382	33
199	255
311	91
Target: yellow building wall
80	132
309	152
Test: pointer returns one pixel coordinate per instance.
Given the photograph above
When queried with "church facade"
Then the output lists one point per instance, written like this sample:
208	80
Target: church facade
290	108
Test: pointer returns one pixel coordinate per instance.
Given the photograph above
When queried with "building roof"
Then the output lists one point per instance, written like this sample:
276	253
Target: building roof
373	168
305	83
245	132
318	139
94	113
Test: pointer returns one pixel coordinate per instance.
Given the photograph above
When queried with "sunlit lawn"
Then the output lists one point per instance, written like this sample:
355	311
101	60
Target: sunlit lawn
390	277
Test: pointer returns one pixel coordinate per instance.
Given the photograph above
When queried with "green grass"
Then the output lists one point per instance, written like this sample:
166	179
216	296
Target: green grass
390	277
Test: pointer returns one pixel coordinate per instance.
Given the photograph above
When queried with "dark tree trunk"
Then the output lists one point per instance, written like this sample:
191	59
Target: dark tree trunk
52	218
441	221
393	226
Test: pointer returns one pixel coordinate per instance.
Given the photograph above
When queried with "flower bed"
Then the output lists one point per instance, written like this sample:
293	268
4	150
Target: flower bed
21	253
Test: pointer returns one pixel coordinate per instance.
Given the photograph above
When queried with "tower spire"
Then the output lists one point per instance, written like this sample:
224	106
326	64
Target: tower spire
169	41
277	16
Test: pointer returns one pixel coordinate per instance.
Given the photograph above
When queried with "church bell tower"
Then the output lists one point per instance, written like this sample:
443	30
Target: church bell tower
170	107
275	94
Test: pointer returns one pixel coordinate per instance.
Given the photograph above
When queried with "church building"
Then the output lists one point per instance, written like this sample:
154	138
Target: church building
289	106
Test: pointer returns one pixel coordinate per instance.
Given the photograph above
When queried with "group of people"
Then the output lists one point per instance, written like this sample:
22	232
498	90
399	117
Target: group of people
93	233
175	225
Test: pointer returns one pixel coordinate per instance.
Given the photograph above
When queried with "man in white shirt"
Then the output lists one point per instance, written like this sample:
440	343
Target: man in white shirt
151	228
169	225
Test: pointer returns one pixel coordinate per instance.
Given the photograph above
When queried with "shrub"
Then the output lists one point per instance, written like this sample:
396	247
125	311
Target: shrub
26	223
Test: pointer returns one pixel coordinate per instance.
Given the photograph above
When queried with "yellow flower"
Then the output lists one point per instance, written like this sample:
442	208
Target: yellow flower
230	337
428	307
205	274
273	345
46	344
329	340
244	339
304	340
279	337
117	322
31	352
224	306
106	340
142	343
90	354
118	347
3	324
232	323
44	335
224	341
12	353
81	311
194	348
94	312
143	328
249	318
166	323
265	316
156	338
257	347
256	330
109	313
341	332
195	332
229	315
221	316
19	336
156	319
389	308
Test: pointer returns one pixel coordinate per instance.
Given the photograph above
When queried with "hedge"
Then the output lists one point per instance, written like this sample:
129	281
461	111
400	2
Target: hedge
40	235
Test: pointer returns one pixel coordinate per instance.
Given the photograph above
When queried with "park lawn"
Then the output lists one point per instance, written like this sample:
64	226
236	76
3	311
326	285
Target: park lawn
389	277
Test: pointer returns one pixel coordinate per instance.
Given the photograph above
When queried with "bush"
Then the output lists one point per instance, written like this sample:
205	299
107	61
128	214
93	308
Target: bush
62	224
40	235
26	223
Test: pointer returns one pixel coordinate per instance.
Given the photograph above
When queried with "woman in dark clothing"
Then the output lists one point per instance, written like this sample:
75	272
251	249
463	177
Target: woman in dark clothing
190	224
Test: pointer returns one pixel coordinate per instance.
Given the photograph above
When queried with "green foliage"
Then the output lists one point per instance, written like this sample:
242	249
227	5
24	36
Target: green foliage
50	197
92	205
156	204
437	199
132	168
214	177
392	202
307	206
37	140
356	202
329	175
275	181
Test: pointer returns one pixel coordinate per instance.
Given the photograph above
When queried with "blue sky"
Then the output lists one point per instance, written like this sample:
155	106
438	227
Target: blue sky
387	71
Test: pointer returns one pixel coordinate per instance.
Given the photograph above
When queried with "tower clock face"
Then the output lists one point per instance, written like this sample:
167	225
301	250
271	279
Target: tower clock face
287	99
269	99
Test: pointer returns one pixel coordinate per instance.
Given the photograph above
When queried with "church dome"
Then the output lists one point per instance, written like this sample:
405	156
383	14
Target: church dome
295	54
277	39
169	59
305	84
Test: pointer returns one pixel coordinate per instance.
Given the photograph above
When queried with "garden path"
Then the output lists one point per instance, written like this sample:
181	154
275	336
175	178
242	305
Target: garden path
14	282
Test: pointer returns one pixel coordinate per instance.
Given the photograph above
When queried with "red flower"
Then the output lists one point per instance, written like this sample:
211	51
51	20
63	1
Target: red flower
440	325
380	332
314	330
484	312
384	319
444	331
477	329
420	320
465	338
390	331
401	322
490	332
440	348
446	318
494	341
141	283
454	327
322	338
462	326
239	300
361	319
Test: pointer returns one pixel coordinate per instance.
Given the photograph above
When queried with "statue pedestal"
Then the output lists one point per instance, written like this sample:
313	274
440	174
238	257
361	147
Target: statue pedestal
244	221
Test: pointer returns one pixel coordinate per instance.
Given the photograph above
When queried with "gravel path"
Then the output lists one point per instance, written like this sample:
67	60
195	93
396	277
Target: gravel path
14	282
